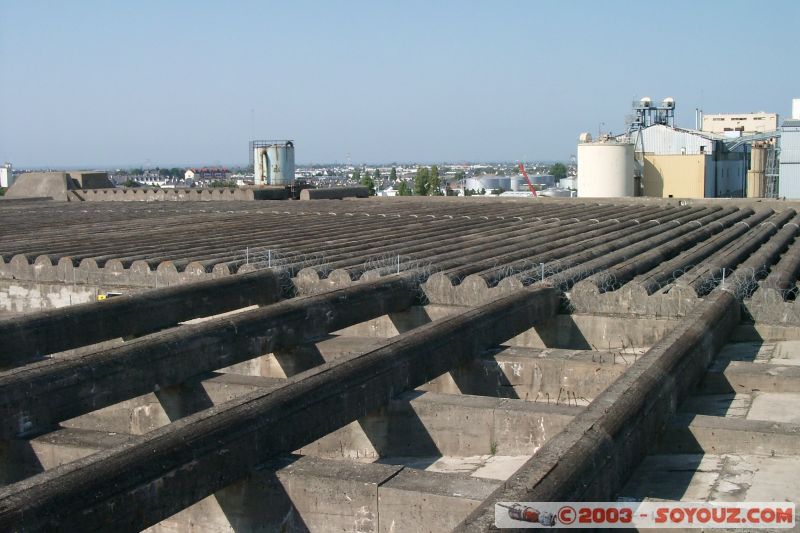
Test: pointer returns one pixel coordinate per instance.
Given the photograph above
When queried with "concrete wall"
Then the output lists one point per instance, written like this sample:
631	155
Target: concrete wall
40	184
92	180
175	195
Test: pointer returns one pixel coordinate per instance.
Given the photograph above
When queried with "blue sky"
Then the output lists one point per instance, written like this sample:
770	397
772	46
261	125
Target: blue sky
98	83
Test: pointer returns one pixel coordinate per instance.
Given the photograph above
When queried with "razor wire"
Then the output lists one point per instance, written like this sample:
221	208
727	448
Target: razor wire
286	263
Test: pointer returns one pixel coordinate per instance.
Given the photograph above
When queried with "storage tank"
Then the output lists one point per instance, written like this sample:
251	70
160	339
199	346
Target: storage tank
795	108
273	163
755	176
605	169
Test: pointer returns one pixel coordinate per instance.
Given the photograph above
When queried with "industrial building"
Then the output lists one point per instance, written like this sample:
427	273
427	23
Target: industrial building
391	364
6	176
657	159
740	124
514	183
690	164
789	183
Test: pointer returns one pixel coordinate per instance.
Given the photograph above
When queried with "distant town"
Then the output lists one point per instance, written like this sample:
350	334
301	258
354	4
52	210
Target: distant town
396	179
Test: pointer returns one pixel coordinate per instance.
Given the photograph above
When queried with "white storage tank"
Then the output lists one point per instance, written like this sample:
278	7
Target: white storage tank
605	169
273	163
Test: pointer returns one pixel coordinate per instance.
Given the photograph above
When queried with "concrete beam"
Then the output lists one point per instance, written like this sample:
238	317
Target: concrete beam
744	376
51	331
305	493
595	454
691	433
35	397
548	375
140	484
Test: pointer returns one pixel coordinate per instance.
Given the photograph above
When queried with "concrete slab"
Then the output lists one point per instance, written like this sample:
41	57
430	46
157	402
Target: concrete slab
731	405
685	477
787	353
693	433
425	502
747	351
726	477
776	407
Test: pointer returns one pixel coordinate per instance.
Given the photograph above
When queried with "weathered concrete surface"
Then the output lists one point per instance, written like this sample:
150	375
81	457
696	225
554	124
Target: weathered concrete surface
599	449
52	331
334	193
249	428
578	331
430	424
549	375
736	477
55	185
689	433
145	194
305	493
743	376
66	387
18	297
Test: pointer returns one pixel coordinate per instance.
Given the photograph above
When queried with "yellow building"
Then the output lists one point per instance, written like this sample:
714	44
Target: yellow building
679	163
675	175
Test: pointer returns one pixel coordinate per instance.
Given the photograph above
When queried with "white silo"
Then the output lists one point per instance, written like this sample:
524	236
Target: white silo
273	162
605	168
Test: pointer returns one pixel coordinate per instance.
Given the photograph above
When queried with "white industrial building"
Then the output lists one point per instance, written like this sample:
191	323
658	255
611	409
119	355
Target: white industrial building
6	176
514	183
740	123
789	181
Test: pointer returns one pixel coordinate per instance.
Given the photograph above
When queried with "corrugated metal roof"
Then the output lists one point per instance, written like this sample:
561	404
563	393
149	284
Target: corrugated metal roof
663	140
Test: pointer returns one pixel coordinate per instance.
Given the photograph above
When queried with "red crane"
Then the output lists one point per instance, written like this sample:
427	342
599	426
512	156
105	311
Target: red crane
530	185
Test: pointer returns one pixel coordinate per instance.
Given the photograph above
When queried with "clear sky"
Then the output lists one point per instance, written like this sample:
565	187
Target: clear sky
107	83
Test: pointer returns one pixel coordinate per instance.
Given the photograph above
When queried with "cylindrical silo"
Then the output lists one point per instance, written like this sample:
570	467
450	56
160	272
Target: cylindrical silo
260	165
273	162
281	163
605	169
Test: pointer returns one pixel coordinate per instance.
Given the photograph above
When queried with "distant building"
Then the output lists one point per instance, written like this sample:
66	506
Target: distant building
740	124
789	182
683	163
207	173
6	176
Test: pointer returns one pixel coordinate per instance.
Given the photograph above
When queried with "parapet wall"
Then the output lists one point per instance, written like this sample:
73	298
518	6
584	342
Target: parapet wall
167	195
334	193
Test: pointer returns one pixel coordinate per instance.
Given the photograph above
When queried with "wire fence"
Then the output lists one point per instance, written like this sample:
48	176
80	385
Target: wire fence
703	279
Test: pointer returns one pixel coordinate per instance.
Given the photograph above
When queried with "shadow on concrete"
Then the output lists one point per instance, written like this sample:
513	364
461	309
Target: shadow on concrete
672	467
412	318
562	332
300	358
256	503
489	380
185	399
260	502
19	461
396	430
